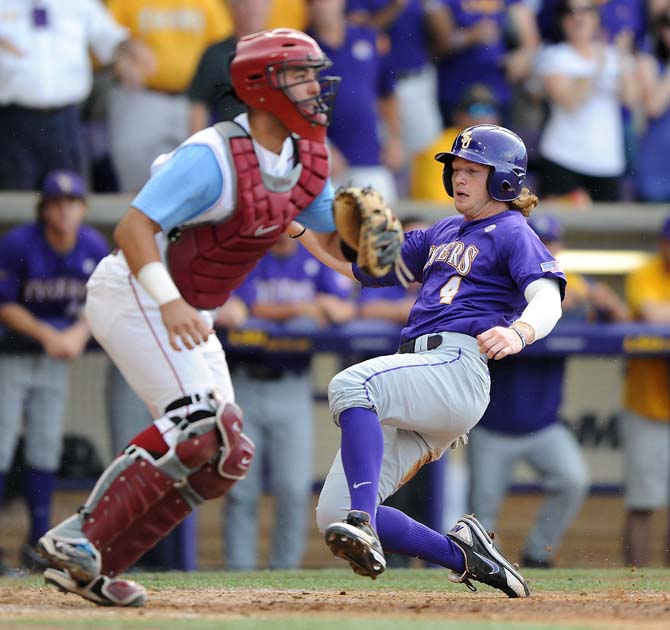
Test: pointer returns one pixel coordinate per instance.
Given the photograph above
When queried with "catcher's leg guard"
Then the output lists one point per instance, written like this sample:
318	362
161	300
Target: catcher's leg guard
209	482
138	479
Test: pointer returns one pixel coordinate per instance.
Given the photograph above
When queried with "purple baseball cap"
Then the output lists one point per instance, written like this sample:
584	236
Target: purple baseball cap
665	228
63	184
547	227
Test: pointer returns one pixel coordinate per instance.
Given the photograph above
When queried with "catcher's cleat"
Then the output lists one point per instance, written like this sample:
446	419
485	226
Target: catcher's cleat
101	590
355	540
79	557
483	562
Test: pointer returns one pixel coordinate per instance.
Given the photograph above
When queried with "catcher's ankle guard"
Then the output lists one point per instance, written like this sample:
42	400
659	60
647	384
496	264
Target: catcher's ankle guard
136	481
210	482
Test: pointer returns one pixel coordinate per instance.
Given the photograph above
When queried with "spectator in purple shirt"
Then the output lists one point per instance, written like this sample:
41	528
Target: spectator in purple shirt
411	26
491	43
361	154
44	267
651	161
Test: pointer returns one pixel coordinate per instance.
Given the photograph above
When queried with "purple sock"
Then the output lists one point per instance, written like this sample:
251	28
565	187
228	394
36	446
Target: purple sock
362	451
38	488
398	533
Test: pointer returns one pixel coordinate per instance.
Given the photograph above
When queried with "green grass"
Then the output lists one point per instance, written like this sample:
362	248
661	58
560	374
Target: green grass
335	580
593	580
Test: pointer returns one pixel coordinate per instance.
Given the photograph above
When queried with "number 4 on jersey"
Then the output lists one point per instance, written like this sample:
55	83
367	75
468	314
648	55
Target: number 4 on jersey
450	289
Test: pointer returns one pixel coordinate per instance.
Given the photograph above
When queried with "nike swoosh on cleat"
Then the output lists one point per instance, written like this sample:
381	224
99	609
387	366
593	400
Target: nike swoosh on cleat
361	483
494	567
261	230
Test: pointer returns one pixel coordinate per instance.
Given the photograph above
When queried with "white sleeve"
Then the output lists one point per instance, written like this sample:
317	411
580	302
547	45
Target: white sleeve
544	306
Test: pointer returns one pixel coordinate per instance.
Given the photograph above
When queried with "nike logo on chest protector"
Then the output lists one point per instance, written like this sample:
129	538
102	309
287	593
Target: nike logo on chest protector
261	229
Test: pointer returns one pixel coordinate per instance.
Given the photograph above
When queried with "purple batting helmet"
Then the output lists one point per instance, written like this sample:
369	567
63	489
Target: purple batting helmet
493	146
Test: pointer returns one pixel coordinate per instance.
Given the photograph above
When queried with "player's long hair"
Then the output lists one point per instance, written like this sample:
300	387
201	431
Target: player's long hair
525	202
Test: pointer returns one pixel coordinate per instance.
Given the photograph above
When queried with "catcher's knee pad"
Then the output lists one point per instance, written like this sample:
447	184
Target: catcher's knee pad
211	481
136	480
196	438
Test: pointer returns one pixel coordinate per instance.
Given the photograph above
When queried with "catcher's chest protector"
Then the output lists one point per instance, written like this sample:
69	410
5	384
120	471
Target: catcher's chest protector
209	261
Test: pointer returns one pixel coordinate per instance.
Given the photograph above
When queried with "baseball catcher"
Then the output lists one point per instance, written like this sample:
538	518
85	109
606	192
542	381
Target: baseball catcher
368	227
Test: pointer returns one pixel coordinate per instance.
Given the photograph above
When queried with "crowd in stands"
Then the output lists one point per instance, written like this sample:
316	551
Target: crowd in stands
91	95
105	90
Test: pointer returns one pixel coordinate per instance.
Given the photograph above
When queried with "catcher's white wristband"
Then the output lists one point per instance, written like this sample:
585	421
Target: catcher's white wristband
157	282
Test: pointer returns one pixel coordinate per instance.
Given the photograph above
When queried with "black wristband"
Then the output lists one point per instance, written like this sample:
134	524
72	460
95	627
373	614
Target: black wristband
299	233
348	252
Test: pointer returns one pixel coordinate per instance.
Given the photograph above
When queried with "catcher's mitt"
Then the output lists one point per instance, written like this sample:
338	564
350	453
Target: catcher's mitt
367	225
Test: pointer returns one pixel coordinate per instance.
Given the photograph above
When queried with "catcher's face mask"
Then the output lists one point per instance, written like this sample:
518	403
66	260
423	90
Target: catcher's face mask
311	95
267	71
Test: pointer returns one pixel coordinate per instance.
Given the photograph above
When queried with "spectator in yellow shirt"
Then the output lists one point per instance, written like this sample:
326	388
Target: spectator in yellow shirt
153	119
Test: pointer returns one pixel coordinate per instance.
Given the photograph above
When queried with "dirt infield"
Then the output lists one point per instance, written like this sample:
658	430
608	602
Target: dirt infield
611	609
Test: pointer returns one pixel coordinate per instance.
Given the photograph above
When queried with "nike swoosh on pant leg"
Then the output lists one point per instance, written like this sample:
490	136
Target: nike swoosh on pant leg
362	483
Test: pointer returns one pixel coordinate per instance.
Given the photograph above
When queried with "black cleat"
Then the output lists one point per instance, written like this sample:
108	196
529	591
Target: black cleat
483	562
354	540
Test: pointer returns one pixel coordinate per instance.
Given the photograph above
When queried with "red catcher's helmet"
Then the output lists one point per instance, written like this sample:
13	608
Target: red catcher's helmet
259	81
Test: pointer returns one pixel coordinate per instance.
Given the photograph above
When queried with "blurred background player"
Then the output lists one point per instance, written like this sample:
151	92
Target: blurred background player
522	422
288	291
646	421
44	267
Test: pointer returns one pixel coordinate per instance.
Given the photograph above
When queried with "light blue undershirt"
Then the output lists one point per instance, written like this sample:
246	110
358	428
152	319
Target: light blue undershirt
191	182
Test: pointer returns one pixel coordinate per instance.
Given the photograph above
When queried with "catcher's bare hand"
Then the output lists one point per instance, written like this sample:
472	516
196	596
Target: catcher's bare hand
184	324
499	342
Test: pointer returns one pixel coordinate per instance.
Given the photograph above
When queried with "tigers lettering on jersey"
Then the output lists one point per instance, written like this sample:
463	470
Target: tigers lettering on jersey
456	254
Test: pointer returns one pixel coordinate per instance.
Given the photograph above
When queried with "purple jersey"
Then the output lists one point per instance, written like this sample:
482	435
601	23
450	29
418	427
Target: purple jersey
295	278
298	277
51	285
473	273
526	395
